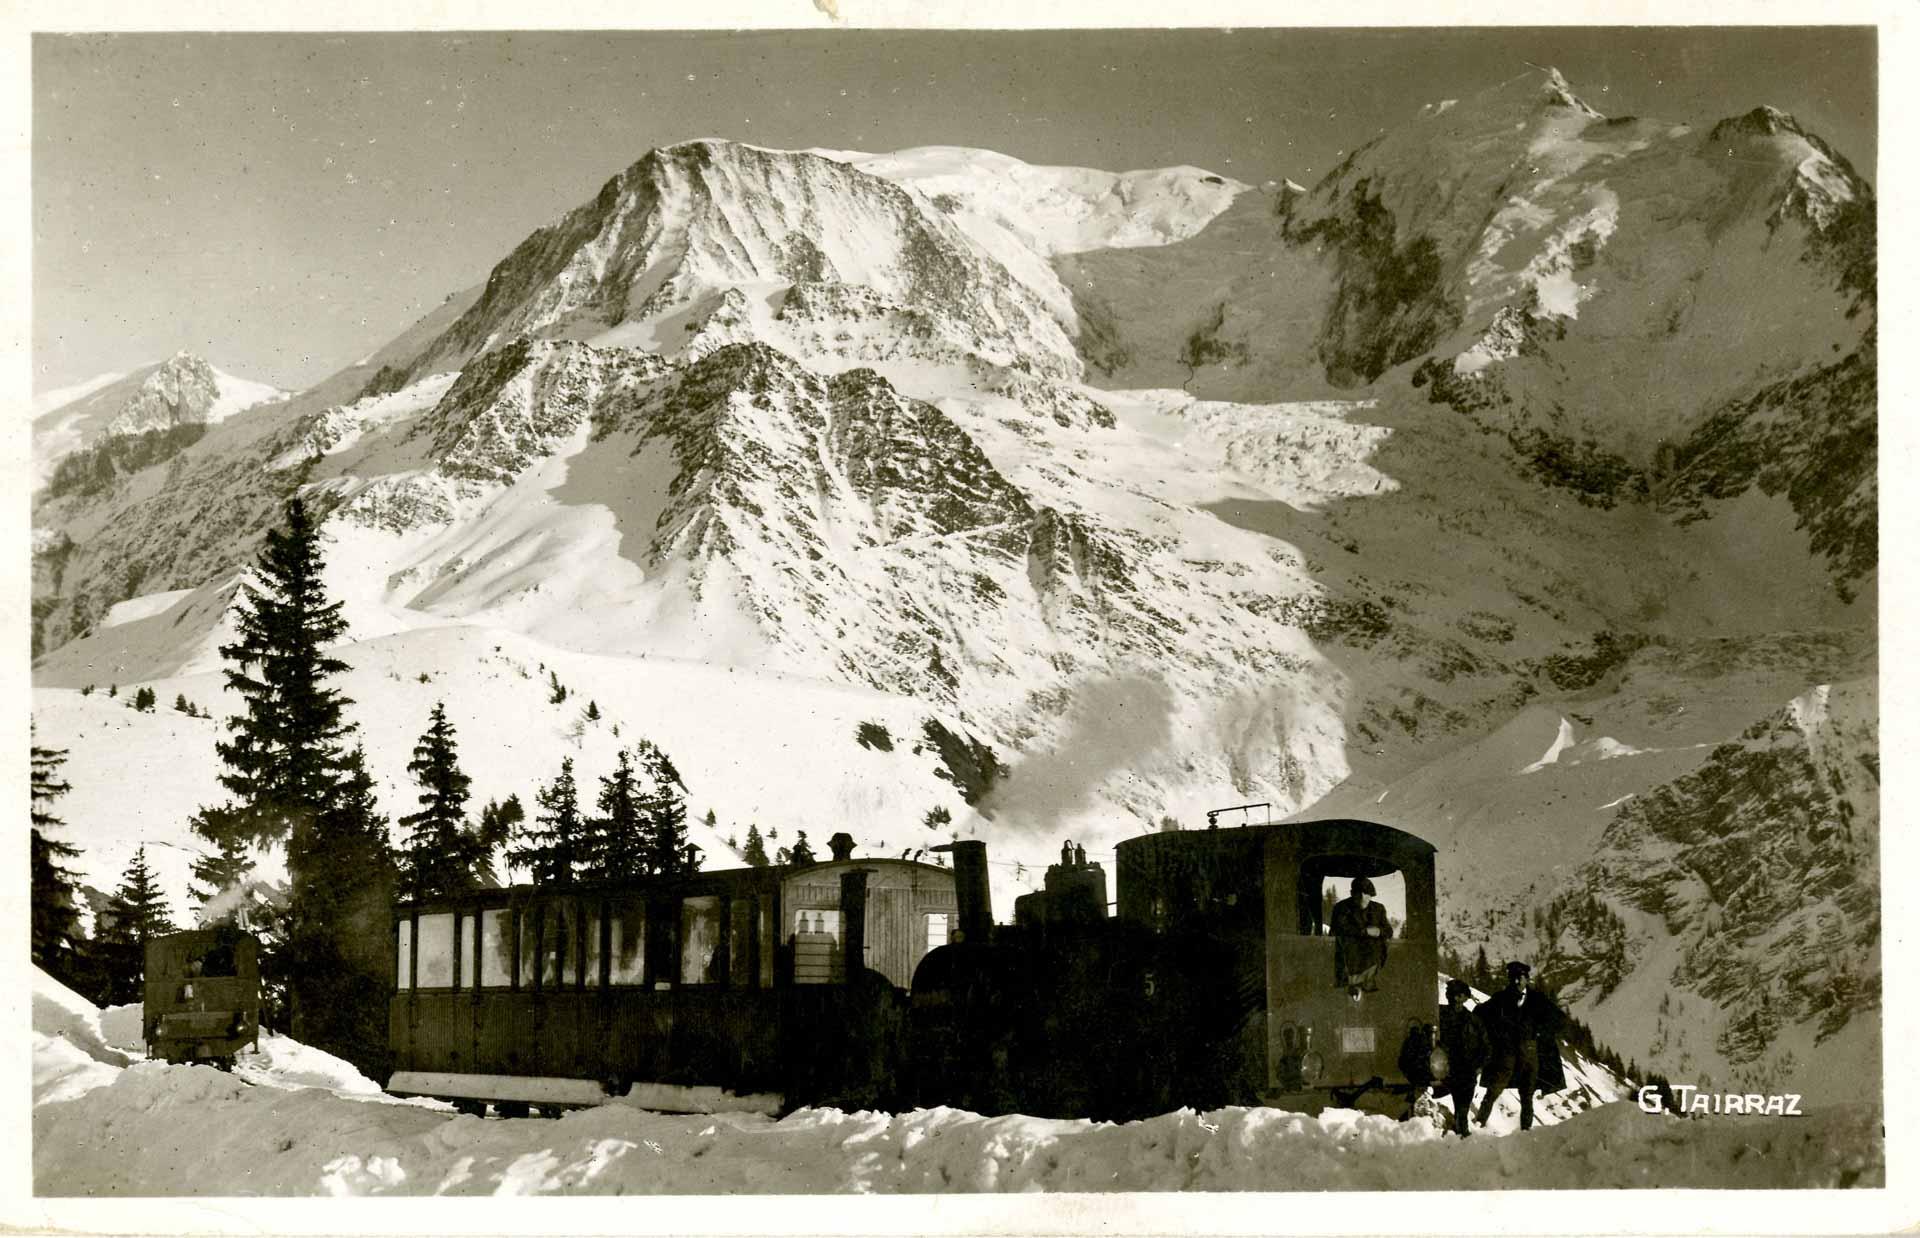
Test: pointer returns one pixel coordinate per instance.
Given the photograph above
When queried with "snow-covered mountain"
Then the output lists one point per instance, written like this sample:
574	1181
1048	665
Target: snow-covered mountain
183	390
1492	487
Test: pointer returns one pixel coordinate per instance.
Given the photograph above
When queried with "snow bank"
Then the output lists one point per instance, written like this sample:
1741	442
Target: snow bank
292	1120
124	1028
71	1053
283	1062
159	1130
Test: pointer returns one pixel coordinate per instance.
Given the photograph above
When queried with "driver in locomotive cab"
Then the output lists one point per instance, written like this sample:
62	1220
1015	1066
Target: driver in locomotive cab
1360	929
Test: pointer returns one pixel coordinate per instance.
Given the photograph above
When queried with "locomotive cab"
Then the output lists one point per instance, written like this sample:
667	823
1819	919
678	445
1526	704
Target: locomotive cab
1329	1039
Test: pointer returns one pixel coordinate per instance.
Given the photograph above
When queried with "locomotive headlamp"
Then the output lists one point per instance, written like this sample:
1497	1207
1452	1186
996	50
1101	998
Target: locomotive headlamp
1312	1068
1437	1063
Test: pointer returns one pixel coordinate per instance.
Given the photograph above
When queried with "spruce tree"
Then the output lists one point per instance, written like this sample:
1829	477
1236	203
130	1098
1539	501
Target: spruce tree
144	700
442	856
56	914
217	873
293	782
617	841
554	848
338	934
664	813
756	848
135	915
181	706
499	822
285	758
801	853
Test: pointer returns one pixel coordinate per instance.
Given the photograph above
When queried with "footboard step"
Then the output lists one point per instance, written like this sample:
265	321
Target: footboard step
679	1098
530	1089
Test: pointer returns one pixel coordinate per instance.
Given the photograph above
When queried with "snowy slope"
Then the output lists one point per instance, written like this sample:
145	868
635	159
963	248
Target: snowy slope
511	740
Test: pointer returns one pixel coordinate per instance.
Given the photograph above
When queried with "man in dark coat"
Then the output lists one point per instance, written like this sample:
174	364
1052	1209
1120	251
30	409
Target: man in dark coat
1463	1038
1520	1025
1360	929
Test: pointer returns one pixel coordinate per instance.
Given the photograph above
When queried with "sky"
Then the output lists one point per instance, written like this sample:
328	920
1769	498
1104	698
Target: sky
284	204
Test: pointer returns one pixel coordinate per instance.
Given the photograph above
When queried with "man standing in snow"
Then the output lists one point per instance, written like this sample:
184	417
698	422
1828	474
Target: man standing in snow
1361	930
1464	1039
1520	1025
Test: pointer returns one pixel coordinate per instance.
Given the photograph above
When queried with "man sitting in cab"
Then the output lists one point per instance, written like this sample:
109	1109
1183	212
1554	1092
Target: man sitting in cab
1361	930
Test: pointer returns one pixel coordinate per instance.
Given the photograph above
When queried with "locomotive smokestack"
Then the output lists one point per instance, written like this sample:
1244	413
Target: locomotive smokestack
841	845
853	914
970	886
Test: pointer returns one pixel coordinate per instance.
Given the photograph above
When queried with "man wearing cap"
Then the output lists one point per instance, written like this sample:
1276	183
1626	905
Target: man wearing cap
1463	1038
1360	926
1520	1027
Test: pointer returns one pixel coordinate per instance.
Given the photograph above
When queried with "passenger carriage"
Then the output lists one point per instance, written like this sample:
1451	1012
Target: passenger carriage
730	988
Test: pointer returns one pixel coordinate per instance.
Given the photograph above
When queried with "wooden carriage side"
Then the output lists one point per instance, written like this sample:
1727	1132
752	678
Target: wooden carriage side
561	995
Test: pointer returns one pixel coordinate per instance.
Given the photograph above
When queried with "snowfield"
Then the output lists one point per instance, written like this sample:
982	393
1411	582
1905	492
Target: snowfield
294	1122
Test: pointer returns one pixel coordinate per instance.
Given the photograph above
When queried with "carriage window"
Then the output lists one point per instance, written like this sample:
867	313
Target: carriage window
557	946
470	950
767	939
436	951
590	957
627	948
529	947
496	948
404	971
700	940
936	929
816	945
740	944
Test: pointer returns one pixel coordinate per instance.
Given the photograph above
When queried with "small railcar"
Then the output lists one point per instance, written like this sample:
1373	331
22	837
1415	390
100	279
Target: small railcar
754	987
201	1001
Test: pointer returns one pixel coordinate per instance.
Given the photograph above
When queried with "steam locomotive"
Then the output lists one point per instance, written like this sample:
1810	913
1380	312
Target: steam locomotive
872	982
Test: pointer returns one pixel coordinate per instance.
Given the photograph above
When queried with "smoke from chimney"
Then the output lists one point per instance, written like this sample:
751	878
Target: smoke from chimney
1113	724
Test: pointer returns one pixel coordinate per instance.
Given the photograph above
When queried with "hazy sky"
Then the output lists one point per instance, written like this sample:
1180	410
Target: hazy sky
284	204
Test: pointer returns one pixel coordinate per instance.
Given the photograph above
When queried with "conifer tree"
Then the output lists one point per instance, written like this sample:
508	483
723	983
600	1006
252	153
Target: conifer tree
554	848
56	915
293	782
499	821
593	711
135	915
219	872
442	856
181	706
285	757
664	814
755	852
617	843
801	853
144	699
